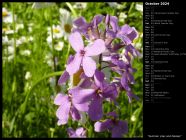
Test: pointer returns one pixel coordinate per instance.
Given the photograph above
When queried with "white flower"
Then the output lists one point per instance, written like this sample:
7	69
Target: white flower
20	41
59	46
66	22
5	39
10	49
138	45
7	30
7	16
122	17
38	5
57	33
25	52
115	5
80	5
19	26
28	75
139	7
133	118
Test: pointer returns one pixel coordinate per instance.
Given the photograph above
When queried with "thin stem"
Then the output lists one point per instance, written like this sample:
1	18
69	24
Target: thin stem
100	58
14	26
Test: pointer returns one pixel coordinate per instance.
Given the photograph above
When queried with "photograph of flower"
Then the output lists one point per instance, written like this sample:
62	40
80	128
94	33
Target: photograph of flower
72	70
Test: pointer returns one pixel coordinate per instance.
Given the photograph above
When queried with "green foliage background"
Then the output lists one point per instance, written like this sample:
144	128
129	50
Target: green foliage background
28	108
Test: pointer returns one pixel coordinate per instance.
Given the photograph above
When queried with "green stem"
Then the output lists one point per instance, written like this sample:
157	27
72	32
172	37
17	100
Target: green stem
23	106
131	6
14	28
71	8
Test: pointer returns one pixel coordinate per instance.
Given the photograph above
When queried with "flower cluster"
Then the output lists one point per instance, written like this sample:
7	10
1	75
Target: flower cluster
92	87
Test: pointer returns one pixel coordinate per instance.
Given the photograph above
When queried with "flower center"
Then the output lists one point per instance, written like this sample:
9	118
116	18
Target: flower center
99	91
55	30
67	28
82	52
5	13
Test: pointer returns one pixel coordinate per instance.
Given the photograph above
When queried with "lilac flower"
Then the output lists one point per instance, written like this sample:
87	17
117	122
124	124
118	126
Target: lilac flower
67	107
78	133
82	56
89	30
117	127
100	91
126	33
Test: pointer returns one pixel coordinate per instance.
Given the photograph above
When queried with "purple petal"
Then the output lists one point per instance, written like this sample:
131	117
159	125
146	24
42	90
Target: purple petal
109	91
96	48
120	129
124	82
63	112
63	78
97	19
74	65
70	132
114	23
131	95
98	78
76	41
74	113
86	83
60	98
112	114
126	29
130	78
79	131
133	34
125	39
80	22
81	107
95	109
80	95
102	126
89	66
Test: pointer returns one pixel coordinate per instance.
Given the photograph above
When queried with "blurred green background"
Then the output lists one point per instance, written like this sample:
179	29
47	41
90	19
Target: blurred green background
35	49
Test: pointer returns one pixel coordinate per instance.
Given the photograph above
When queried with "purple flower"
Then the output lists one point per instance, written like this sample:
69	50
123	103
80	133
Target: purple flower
89	30
78	133
82	56
68	106
117	127
126	33
100	91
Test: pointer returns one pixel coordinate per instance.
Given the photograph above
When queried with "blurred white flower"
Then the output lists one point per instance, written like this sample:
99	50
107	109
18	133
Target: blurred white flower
20	41
66	22
57	33
25	52
10	49
7	31
38	5
80	5
7	16
115	5
122	17
59	46
5	39
133	118
28	75
138	45
19	26
139	7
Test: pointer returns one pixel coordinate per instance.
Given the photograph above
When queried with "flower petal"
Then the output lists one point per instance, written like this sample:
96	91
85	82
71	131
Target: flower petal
80	95
102	126
96	48
76	41
80	22
74	113
95	109
89	66
124	82
131	95
63	78
82	107
60	98
74	65
98	78
63	112
120	129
